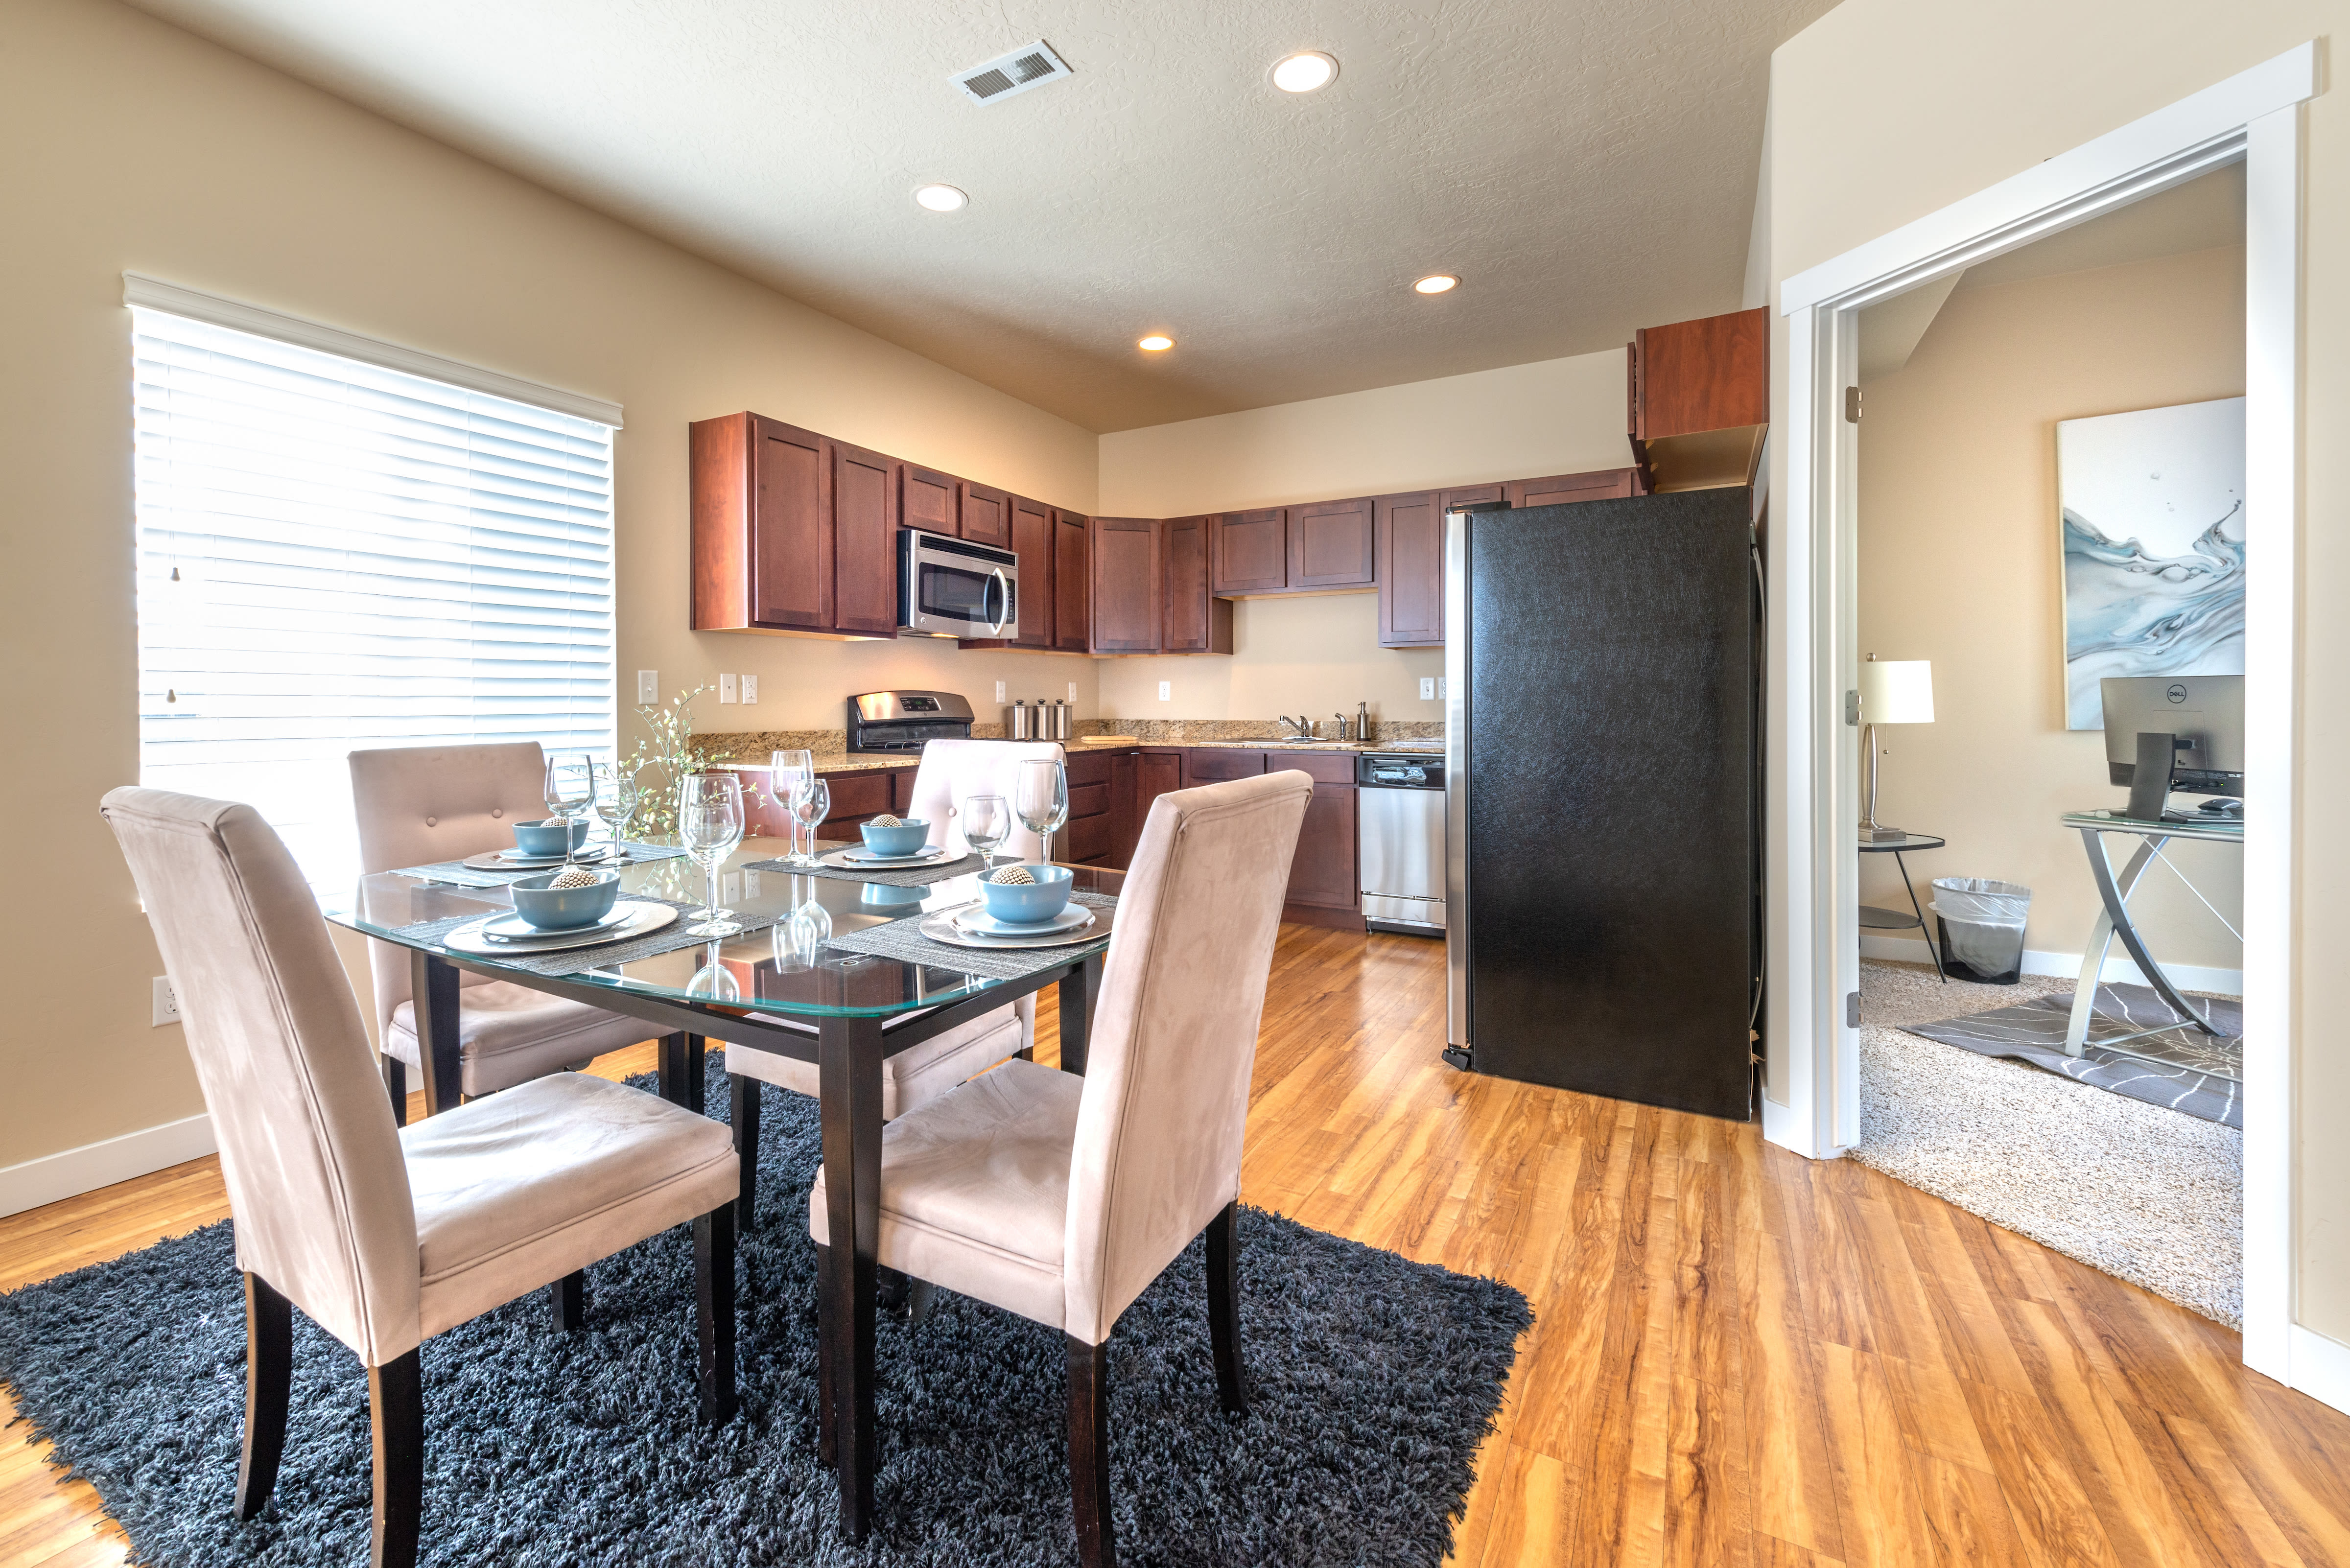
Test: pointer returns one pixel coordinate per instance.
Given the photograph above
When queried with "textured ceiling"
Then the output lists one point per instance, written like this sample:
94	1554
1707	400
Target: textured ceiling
1585	168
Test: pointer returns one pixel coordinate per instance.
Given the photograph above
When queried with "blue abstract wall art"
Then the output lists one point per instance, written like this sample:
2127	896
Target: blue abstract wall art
2152	506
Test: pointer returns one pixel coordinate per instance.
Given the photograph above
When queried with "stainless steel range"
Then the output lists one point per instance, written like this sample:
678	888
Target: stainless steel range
907	720
1399	799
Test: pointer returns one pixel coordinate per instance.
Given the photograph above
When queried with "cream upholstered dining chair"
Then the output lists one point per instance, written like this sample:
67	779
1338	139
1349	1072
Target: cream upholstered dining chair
419	805
1061	1198
950	773
386	1236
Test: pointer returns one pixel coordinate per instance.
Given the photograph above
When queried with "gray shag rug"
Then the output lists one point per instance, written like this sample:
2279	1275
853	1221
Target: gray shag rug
2142	1192
1373	1380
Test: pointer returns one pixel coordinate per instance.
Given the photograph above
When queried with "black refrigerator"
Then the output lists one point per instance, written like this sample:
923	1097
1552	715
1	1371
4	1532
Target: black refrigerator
1602	833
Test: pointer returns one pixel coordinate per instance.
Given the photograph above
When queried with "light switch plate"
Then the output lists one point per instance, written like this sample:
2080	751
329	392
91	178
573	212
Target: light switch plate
167	1001
648	687
1073	690
727	691
1427	688
1167	692
750	689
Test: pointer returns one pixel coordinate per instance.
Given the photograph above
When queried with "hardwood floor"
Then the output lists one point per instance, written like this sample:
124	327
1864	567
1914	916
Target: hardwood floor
1739	1357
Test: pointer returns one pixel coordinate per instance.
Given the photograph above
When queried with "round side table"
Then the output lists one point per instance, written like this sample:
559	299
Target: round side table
1876	920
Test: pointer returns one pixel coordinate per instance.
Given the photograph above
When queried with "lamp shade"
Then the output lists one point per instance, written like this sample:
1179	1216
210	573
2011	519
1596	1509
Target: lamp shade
1897	692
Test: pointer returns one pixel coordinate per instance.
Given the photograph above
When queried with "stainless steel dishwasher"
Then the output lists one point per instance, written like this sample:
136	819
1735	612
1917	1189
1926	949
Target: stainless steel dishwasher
1399	802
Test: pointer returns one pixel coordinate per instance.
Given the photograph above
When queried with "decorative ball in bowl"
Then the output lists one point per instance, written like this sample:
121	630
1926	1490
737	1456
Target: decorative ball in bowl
892	836
551	908
1030	903
547	838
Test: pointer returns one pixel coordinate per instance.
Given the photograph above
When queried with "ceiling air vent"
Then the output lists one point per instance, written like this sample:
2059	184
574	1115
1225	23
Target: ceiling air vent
1031	65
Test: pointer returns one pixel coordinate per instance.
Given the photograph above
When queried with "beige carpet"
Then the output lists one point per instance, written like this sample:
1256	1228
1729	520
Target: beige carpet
2146	1194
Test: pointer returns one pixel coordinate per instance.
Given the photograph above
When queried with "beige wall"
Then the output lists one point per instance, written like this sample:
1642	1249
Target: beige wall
1959	564
1954	96
125	144
1321	653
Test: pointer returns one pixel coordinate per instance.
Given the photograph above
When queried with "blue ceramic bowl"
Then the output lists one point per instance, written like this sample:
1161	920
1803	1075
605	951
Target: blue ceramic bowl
881	896
1030	903
907	839
564	908
547	838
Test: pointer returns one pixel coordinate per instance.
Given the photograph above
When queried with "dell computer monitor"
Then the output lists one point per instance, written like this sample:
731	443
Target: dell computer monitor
2207	711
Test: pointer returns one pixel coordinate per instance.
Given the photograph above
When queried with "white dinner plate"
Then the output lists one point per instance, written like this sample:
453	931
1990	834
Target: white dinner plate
852	859
514	928
941	928
512	860
976	918
646	918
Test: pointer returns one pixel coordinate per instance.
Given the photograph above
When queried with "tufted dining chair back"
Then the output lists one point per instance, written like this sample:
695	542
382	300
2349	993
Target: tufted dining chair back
1158	1148
951	772
316	1180
420	805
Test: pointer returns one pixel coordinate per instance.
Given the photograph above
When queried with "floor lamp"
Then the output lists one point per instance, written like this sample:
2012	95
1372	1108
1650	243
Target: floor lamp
1892	692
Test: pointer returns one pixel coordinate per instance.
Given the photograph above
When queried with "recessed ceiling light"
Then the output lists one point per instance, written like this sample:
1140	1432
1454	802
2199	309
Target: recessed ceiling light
941	198
1155	343
1437	283
1306	72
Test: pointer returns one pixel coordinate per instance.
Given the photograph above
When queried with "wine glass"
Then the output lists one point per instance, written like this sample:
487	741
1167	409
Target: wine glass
789	771
710	824
986	825
615	801
1043	801
570	789
713	981
811	804
799	938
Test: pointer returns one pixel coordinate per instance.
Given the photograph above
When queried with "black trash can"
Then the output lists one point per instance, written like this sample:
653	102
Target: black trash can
1981	922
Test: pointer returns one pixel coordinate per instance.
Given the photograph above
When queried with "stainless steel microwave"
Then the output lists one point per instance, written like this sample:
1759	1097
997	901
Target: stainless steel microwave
953	587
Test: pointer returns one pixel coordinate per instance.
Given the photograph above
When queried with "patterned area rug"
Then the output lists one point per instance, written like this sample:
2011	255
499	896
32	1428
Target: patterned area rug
2190	1072
1373	1380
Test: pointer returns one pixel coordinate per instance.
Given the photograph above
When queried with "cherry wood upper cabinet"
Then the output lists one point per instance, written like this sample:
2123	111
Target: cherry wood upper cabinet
1409	535
1191	620
929	500
1700	400
1248	551
1125	582
865	542
762	506
1560	489
986	516
1330	545
1031	526
1073	585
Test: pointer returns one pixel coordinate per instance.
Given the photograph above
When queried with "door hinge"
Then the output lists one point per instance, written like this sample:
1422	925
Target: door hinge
1852	707
1852	1009
1852	405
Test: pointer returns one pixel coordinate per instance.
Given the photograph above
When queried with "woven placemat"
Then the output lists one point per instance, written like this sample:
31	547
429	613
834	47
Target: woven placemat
903	939
459	874
573	960
910	877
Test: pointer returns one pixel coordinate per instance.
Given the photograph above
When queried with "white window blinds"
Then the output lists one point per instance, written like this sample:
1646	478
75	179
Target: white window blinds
334	556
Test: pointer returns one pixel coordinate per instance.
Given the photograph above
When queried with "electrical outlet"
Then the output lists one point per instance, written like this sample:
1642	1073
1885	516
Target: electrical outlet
167	1001
999	691
727	691
1073	690
648	687
1167	692
1441	693
750	689
1427	688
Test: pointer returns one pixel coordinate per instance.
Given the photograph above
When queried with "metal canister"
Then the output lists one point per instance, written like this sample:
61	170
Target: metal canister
1060	721
1023	721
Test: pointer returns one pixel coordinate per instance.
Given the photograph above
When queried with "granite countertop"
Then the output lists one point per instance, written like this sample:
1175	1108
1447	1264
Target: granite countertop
845	761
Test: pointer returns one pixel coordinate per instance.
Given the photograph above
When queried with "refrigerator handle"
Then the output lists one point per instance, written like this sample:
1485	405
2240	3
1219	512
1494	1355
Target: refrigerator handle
1457	720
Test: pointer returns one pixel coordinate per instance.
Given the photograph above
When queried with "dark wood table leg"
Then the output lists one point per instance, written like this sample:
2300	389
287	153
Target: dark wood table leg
432	984
1080	989
849	1064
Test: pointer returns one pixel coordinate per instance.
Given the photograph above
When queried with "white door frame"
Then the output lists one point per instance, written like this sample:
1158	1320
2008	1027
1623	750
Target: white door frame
1814	1104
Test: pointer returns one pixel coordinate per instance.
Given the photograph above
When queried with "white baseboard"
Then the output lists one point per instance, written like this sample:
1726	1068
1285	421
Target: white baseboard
2118	967
71	1172
2321	1368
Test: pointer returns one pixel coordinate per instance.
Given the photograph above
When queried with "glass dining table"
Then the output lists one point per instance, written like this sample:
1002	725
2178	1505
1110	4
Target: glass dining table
767	988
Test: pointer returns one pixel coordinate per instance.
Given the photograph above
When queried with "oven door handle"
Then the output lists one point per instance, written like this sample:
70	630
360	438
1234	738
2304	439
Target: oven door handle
1002	589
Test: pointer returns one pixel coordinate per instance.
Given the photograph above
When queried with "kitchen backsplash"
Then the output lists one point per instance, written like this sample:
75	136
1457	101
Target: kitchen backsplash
753	745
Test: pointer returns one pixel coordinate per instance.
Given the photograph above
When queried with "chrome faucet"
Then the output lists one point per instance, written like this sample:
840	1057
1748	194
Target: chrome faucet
1303	725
